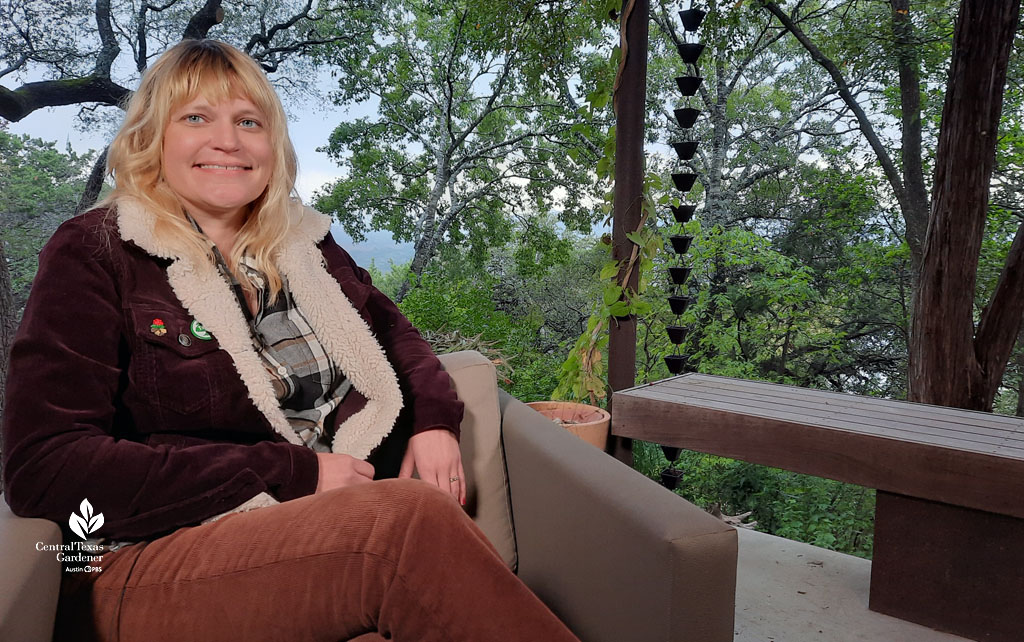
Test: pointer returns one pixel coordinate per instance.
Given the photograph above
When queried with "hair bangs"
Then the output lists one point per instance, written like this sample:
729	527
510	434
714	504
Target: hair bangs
208	72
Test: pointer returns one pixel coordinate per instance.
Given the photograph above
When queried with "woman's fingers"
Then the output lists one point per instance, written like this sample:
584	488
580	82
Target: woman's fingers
337	471
459	487
408	464
436	456
363	468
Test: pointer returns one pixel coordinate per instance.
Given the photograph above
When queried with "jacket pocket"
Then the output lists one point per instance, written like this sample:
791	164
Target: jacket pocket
172	362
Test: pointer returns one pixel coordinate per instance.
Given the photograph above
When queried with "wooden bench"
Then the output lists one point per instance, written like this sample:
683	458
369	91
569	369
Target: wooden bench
949	520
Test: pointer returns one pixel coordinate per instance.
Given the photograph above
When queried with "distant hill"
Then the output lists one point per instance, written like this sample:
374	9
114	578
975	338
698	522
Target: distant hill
378	247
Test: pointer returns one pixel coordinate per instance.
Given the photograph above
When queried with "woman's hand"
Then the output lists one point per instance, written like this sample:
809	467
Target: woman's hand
435	455
338	471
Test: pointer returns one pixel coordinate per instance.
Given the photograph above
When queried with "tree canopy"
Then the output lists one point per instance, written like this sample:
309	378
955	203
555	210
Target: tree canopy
89	53
476	126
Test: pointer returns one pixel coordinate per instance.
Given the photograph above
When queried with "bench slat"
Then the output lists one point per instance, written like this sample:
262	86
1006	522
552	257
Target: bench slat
961	459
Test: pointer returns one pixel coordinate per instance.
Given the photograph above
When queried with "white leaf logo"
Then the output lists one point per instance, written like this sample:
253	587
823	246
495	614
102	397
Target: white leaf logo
85	523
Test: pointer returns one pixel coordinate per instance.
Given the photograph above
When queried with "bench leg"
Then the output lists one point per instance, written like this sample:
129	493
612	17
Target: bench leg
950	568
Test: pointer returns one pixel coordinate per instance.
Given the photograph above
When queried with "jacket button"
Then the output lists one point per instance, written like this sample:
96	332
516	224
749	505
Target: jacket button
184	340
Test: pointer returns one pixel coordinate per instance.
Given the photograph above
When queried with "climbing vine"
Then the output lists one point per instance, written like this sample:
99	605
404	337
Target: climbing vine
583	374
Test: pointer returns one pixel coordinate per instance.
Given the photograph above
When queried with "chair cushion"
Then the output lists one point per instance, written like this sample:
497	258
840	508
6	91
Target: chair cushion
483	459
29	578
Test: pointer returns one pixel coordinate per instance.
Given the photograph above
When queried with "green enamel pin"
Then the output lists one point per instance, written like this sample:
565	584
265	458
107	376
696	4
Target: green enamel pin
199	332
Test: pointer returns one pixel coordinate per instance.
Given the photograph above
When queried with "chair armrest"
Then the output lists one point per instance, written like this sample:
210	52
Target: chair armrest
29	579
616	556
487	501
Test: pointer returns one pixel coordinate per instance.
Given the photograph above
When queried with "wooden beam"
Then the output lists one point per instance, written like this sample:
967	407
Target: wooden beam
630	99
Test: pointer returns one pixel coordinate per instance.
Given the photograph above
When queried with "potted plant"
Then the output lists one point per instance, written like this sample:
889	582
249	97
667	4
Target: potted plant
587	422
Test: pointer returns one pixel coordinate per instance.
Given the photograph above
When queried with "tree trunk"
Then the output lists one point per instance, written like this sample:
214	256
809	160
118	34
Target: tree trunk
94	184
8	325
912	198
426	245
948	365
915	206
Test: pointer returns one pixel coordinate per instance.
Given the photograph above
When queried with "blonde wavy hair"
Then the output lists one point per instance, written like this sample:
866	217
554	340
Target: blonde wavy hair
217	72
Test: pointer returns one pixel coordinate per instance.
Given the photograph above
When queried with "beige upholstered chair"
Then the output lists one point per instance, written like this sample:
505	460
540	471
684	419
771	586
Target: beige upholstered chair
616	556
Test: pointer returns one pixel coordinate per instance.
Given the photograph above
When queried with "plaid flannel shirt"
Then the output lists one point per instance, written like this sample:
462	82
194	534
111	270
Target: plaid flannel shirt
308	384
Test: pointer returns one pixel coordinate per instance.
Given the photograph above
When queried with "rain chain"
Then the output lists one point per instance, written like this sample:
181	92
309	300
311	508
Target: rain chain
678	300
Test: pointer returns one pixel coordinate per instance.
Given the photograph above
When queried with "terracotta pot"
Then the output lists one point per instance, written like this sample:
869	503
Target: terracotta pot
589	423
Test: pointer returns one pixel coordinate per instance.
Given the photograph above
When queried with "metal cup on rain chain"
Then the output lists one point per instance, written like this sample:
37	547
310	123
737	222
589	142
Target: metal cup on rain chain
685	149
678	303
679	274
692	18
684	181
675	363
686	116
688	85
690	51
677	334
670	478
671	452
682	213
680	243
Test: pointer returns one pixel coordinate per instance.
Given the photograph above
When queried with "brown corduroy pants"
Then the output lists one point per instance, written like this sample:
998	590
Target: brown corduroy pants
396	556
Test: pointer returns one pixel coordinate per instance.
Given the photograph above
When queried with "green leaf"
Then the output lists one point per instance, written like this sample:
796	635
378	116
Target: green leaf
609	270
642	308
611	294
619	309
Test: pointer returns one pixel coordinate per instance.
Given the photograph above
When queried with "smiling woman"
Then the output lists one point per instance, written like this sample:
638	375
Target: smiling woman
217	158
240	390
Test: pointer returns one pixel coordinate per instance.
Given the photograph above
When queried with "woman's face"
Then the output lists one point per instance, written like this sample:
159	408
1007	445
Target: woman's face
217	158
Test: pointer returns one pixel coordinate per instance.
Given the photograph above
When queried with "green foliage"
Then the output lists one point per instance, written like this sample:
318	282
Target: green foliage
818	511
39	188
582	375
524	313
476	124
391	280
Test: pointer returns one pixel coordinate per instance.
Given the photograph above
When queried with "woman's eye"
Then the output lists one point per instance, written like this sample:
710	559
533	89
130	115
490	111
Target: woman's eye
193	118
248	123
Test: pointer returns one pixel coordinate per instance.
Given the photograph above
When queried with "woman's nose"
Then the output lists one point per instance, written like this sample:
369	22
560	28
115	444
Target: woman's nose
225	136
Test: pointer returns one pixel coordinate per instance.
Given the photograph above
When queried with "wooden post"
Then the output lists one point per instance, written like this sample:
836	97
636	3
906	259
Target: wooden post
630	98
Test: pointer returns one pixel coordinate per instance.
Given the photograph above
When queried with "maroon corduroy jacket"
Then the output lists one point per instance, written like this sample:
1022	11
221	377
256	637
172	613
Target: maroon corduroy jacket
158	431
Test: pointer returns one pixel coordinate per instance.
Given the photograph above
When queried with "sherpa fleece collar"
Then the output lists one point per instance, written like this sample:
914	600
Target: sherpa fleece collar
339	327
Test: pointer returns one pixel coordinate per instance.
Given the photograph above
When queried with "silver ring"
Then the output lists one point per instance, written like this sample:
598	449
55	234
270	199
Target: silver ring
453	479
